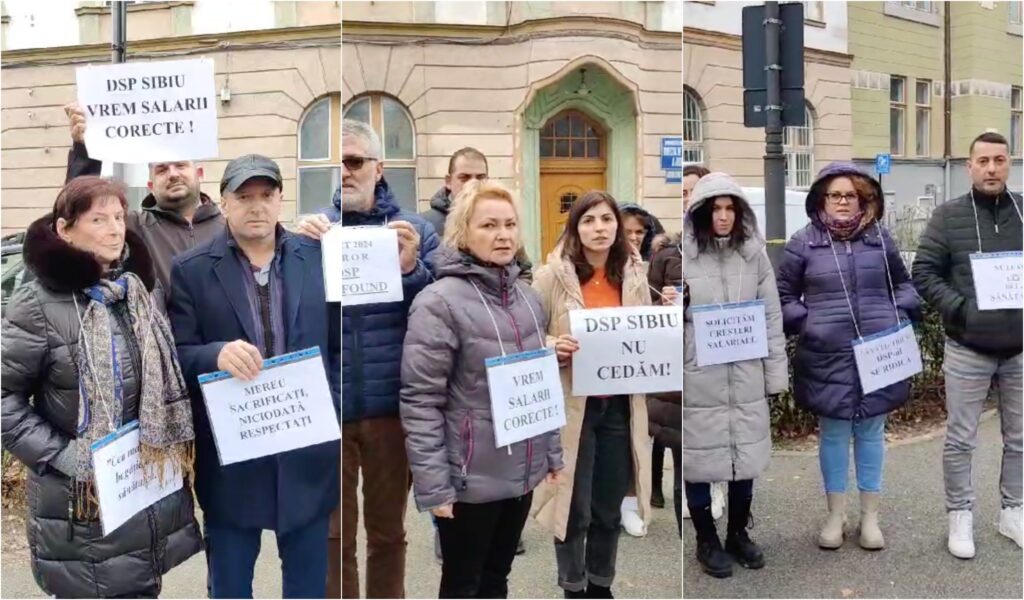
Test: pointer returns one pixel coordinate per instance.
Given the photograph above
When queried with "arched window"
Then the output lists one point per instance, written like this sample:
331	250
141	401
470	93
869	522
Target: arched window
390	119
798	146
319	158
693	129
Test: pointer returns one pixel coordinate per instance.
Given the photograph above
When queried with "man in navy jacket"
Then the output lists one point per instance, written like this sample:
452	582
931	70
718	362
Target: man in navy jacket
252	292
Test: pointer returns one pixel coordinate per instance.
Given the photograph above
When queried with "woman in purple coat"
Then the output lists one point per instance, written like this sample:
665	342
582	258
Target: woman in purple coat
842	279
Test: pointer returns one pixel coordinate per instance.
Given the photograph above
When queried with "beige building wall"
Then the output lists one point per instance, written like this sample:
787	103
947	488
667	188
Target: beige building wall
713	69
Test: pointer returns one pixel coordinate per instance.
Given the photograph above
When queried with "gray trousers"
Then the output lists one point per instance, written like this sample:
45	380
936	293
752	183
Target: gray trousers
969	377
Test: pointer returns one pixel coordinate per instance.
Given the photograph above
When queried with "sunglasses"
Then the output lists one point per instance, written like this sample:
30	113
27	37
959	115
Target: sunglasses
354	163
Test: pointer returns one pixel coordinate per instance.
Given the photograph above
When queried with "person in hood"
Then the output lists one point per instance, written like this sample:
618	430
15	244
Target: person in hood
373	443
85	352
641	228
466	165
175	216
726	424
842	278
983	347
477	309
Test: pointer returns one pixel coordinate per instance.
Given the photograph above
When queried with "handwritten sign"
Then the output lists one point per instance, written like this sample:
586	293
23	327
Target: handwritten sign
149	111
997	280
633	350
288	406
887	357
122	486
526	395
730	332
361	265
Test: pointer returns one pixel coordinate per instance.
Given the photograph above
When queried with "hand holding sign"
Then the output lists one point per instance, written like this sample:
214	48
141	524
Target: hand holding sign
241	359
565	345
76	119
408	245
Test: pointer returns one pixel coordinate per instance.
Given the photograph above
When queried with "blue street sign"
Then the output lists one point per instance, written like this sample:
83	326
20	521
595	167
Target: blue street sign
673	176
883	163
671	153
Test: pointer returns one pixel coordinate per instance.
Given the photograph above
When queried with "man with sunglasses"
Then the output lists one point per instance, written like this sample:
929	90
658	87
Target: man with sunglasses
373	443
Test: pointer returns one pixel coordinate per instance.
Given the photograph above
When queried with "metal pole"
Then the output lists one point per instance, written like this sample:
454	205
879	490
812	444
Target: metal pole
119	25
947	102
774	160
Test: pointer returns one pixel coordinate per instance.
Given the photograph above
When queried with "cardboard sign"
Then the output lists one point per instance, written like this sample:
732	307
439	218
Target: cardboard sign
631	350
997	280
731	332
887	357
361	265
121	485
526	395
142	112
288	406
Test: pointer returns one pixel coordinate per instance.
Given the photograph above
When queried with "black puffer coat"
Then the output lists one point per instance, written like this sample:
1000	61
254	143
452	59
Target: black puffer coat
665	410
71	558
942	269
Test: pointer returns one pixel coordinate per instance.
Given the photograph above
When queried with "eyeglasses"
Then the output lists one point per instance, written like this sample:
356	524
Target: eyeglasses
354	163
836	197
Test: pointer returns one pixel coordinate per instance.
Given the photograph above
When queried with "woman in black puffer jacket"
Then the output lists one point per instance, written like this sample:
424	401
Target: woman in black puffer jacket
92	293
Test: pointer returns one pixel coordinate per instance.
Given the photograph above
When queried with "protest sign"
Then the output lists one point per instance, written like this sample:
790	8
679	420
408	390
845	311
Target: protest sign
887	357
632	350
730	332
680	297
149	111
997	280
526	395
288	406
122	488
361	265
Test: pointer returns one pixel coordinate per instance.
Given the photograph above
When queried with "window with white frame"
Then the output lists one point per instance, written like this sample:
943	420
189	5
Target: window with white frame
1015	121
925	7
1015	11
897	113
319	158
923	114
392	122
814	11
693	129
798	146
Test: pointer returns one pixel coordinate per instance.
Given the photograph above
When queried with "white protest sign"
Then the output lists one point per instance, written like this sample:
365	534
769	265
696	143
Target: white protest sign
887	357
361	265
632	350
149	111
288	406
679	296
121	486
997	280
730	332
526	395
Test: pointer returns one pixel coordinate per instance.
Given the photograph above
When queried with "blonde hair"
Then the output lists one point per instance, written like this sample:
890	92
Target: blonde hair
456	226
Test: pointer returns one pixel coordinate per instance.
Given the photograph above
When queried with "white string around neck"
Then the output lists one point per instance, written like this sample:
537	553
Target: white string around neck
846	291
977	224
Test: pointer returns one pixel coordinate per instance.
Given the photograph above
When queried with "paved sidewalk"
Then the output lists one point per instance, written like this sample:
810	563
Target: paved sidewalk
789	507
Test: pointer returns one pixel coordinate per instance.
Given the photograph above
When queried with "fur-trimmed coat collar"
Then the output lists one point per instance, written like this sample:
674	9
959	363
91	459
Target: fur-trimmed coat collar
63	268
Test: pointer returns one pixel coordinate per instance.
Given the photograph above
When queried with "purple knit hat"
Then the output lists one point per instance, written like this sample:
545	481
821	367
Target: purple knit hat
815	196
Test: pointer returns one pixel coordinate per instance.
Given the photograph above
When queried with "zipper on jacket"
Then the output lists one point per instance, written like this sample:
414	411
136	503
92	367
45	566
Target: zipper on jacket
191	234
128	334
729	366
357	363
71	512
467	442
995	215
529	463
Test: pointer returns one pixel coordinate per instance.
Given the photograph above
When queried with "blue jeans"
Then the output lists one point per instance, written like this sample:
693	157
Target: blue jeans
868	453
232	553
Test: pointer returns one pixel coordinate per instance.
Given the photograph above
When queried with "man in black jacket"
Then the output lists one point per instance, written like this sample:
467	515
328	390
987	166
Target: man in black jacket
464	166
983	339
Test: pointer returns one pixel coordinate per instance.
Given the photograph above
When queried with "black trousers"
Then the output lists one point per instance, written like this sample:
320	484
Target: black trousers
478	547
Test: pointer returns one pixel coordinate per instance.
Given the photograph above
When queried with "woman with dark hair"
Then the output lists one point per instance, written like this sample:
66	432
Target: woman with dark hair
726	424
641	228
605	437
86	352
842	279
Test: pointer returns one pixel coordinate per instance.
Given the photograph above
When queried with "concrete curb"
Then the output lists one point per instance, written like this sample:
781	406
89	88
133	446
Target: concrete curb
924	437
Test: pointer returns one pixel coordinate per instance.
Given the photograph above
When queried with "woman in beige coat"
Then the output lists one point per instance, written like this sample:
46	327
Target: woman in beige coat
605	439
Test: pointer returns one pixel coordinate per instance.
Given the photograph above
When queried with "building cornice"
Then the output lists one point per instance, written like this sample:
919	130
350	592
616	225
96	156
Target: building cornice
105	10
729	41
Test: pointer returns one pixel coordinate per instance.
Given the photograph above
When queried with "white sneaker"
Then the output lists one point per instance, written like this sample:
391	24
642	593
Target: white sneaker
631	520
961	533
717	500
1009	523
686	509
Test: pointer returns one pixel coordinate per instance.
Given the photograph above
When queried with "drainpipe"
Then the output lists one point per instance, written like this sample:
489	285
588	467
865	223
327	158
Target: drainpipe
947	98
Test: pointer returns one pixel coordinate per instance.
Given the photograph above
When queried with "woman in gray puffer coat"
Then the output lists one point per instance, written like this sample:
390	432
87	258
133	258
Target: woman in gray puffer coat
92	293
477	309
726	422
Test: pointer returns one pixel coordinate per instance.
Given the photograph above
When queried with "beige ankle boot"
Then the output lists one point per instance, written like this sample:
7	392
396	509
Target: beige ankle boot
870	535
831	536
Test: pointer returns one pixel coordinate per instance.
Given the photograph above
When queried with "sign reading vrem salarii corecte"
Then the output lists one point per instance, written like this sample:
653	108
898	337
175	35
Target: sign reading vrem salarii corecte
149	111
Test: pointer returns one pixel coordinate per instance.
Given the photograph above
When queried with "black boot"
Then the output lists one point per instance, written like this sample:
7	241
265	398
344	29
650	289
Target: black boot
737	542
713	560
579	594
597	591
520	548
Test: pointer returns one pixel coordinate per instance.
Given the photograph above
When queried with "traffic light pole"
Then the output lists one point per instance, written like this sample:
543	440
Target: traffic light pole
774	160
119	23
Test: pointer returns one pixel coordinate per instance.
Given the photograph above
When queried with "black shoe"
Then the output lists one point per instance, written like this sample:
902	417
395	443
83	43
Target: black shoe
712	558
520	548
737	542
579	594
597	591
657	499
